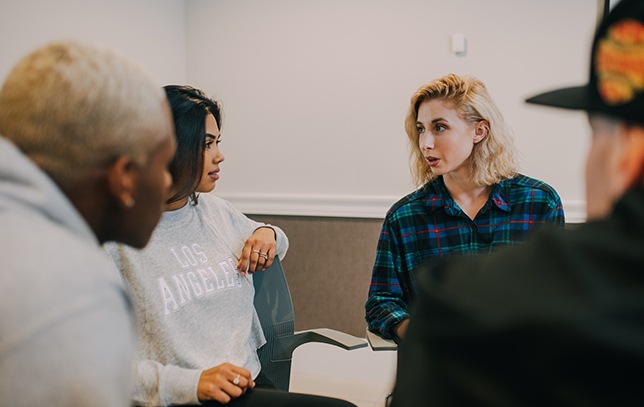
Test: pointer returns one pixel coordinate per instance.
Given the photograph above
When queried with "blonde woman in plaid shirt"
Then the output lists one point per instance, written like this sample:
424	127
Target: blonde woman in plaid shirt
471	199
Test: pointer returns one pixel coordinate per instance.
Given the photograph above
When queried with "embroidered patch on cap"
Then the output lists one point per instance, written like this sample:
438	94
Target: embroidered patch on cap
619	63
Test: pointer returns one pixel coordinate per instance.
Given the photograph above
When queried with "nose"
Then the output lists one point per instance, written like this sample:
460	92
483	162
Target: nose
218	157
426	141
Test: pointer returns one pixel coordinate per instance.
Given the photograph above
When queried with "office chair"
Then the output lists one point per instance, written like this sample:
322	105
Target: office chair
275	310
378	343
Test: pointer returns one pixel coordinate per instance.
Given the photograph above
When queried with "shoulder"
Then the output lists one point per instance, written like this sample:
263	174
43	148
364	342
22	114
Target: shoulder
54	263
213	204
414	202
222	215
56	284
522	186
37	240
210	200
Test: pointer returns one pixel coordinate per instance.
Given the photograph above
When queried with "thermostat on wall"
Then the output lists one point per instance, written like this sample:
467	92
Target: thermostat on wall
458	44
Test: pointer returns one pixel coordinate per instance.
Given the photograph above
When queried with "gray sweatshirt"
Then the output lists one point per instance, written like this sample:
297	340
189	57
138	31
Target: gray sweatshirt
194	310
66	329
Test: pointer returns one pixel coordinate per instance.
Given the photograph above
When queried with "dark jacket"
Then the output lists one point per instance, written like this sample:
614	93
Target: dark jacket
557	322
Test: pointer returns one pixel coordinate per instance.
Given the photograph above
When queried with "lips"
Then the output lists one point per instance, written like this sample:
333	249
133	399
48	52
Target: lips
432	161
214	174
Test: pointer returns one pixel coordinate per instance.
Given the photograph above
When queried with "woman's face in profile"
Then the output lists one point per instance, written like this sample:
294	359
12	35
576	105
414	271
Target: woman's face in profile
212	156
445	140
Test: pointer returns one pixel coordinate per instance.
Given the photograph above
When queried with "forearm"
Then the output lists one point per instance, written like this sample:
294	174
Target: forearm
384	312
399	330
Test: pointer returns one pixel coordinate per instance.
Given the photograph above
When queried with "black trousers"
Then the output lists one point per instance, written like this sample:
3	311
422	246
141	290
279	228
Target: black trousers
264	394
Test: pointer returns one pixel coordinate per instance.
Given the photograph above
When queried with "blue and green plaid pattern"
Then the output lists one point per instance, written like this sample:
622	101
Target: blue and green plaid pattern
429	224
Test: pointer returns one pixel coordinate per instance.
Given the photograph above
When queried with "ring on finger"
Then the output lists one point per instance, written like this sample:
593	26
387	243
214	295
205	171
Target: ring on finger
236	381
264	255
256	251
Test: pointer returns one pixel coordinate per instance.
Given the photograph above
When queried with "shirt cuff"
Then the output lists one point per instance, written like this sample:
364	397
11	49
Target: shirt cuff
396	317
271	228
179	386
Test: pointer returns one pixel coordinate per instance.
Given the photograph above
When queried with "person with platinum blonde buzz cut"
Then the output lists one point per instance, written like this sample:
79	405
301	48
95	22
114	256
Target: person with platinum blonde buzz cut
471	200
560	320
85	141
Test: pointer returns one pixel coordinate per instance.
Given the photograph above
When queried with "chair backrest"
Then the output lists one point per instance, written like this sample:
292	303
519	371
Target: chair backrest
275	310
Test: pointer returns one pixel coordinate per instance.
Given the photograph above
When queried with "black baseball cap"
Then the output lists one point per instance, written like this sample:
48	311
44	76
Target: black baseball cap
616	85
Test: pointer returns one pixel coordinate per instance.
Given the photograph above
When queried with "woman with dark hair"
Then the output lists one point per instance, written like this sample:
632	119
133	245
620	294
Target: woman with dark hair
192	287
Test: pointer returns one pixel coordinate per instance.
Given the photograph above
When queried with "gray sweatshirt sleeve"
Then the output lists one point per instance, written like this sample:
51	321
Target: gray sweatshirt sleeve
246	227
162	385
282	242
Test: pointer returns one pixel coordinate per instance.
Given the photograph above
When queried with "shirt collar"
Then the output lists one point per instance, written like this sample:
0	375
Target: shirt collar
501	195
437	197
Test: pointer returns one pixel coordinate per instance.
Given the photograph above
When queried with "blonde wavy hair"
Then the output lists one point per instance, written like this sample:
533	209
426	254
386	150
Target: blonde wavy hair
71	107
494	158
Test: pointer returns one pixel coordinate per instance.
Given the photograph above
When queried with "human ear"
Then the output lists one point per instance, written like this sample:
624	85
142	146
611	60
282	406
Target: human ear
481	129
120	176
630	167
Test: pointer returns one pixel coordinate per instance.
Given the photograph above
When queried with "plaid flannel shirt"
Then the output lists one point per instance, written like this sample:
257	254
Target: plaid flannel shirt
428	223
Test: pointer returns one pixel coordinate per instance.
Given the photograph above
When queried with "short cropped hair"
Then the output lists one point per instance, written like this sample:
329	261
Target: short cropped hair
494	158
189	106
72	107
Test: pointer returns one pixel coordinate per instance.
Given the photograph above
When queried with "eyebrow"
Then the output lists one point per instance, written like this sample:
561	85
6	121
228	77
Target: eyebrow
439	119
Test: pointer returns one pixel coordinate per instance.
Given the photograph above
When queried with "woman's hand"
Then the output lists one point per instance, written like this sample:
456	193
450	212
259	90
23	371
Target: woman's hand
258	252
400	328
224	383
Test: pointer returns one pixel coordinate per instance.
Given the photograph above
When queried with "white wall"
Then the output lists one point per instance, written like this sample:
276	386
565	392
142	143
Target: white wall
149	31
315	92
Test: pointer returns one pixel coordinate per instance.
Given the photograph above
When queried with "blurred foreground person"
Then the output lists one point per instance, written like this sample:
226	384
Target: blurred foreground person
559	321
86	138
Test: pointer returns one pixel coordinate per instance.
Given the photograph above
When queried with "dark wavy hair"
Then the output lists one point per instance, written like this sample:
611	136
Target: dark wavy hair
190	107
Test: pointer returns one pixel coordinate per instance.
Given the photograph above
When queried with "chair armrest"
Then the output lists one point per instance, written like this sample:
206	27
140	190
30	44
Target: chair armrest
283	346
379	343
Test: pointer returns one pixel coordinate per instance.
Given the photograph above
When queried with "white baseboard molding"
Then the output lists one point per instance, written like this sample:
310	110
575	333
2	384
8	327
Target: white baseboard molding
342	206
575	211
